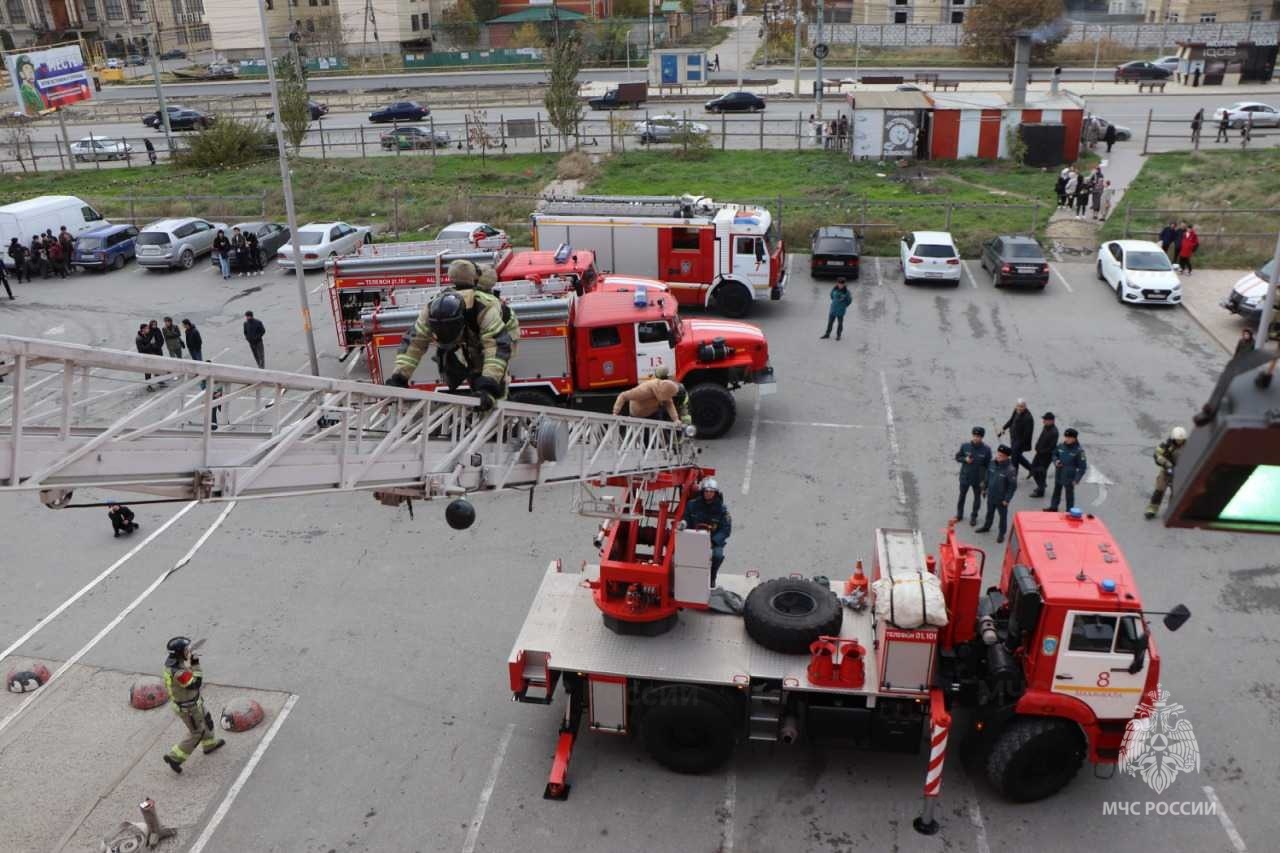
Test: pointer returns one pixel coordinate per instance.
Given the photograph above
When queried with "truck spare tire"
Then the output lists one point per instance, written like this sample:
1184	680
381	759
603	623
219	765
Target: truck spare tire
787	614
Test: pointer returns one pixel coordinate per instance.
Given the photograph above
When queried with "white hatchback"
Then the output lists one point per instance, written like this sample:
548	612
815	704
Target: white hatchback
929	256
1139	272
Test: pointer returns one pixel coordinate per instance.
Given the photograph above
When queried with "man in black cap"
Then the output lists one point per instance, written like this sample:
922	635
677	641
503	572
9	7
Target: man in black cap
1045	445
974	456
1002	482
1069	467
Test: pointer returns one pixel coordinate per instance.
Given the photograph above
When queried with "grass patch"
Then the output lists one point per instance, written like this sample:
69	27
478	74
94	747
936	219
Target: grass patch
1219	192
822	188
428	192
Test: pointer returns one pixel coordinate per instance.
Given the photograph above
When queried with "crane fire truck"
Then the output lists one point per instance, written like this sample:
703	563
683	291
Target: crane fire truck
709	253
1051	663
582	349
382	273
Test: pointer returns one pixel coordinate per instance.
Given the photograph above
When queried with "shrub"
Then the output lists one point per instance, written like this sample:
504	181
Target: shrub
576	166
227	142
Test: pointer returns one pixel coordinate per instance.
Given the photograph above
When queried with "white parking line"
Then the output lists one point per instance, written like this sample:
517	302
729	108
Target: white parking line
234	791
980	826
751	445
730	803
813	424
1236	841
54	330
486	793
879	277
57	611
964	267
893	441
110	626
317	288
1061	279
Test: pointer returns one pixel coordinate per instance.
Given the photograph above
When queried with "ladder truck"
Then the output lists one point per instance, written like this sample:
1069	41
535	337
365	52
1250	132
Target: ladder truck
1052	665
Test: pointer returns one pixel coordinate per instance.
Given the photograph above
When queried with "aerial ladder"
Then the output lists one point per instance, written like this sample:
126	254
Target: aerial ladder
79	417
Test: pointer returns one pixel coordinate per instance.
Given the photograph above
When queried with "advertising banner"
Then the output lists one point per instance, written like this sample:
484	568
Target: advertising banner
48	78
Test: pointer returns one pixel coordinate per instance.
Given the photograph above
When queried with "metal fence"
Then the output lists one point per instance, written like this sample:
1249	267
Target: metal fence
1230	237
1181	134
1136	35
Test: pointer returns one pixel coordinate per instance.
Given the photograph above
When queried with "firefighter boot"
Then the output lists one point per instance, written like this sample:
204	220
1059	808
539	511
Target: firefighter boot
1154	506
215	746
174	764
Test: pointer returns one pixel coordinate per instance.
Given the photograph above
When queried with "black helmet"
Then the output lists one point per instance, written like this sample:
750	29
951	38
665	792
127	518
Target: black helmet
445	317
179	645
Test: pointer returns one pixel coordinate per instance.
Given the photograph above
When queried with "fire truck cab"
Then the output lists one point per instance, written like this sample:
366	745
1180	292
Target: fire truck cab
711	254
582	349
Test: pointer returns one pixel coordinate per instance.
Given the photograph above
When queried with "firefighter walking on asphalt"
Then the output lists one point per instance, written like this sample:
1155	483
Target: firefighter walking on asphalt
1069	467
183	678
655	397
1002	482
475	335
1166	458
706	511
974	457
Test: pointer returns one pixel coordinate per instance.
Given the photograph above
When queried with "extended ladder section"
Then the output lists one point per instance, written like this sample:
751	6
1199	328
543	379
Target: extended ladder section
659	207
73	416
528	300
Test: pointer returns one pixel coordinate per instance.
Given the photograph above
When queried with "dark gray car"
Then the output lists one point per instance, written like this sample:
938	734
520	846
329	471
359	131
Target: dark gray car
271	236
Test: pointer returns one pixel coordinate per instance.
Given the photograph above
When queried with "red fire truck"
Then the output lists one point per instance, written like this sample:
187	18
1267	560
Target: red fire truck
372	277
581	349
1050	666
709	253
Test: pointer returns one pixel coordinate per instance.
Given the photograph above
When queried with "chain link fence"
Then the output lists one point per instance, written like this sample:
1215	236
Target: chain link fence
1233	238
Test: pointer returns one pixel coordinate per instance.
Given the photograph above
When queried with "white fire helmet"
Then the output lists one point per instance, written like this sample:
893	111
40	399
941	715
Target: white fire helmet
1178	434
709	484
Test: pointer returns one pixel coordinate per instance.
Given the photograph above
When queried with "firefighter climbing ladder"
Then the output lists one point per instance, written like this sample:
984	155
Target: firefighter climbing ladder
73	416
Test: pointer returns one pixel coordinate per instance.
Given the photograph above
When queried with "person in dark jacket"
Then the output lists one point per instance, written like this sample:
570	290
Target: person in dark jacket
1045	446
1197	122
121	519
222	251
1224	125
1021	427
1168	235
195	343
239	252
706	511
1070	465
151	150
18	254
1110	136
251	248
172	337
38	262
1002	482
4	280
840	300
157	338
974	456
145	346
253	333
1245	344
57	259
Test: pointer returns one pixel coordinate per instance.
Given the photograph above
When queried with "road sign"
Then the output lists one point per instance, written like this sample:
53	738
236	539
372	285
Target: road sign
820	51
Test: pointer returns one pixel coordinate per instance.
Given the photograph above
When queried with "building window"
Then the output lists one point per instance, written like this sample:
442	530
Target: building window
114	9
1171	18
313	2
138	10
177	10
413	23
901	17
957	17
18	15
271	4
311	25
1255	14
195	7
426	20
90	10
1208	17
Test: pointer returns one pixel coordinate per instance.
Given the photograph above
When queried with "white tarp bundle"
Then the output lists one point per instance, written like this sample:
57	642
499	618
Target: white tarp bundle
911	600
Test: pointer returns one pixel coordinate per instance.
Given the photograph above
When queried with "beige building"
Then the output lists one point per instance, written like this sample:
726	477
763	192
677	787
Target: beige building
237	32
904	11
1212	11
181	23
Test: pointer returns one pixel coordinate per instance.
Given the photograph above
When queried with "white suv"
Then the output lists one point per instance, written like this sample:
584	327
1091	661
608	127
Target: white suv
169	243
929	256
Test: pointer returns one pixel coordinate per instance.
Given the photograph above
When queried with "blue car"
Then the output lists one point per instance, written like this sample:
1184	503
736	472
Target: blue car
400	111
105	247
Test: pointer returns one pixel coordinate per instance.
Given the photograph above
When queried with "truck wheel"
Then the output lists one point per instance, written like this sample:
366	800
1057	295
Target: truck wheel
787	614
733	299
687	728
532	398
712	408
1034	757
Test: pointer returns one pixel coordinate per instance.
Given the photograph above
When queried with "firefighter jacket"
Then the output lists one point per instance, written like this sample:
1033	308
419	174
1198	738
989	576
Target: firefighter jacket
490	332
1167	454
1069	462
654	395
183	681
711	515
1002	481
973	459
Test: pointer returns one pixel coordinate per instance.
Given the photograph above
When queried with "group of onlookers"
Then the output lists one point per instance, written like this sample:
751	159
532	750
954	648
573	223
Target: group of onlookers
240	249
1180	241
1080	193
47	255
829	134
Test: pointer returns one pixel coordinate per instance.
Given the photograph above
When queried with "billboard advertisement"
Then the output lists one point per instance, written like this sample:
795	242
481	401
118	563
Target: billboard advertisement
48	78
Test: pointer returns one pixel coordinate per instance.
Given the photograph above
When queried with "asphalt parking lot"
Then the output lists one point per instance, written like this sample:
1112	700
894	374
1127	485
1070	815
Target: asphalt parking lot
393	632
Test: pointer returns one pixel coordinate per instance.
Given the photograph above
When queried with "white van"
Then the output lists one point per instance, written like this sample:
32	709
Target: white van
25	218
1249	293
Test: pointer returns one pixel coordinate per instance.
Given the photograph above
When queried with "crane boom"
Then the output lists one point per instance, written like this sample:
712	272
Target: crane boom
81	417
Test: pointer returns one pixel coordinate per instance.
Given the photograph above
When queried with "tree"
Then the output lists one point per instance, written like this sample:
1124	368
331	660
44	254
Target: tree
295	109
988	27
564	109
461	25
630	8
527	35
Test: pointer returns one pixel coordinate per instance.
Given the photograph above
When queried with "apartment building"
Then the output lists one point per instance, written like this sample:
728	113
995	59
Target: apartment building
182	23
904	11
1211	11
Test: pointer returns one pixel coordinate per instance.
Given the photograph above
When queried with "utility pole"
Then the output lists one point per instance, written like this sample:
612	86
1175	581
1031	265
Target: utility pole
291	214
651	2
155	75
818	87
795	83
739	41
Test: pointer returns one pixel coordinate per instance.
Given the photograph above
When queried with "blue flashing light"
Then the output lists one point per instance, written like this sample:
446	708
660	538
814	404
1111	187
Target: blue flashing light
642	297
1076	512
1108	585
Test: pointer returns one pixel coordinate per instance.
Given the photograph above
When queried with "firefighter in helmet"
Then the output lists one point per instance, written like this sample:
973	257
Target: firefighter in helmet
655	398
183	679
487	279
706	511
1166	458
475	335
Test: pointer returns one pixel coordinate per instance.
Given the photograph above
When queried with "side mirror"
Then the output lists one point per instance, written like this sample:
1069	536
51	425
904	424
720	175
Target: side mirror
1177	617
